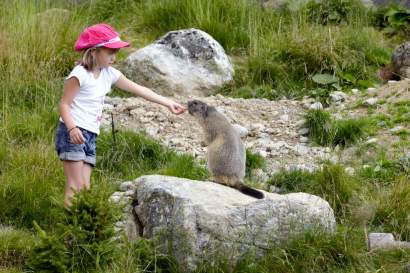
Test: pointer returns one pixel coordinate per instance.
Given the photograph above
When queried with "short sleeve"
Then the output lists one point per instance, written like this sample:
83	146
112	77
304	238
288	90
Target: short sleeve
80	73
114	74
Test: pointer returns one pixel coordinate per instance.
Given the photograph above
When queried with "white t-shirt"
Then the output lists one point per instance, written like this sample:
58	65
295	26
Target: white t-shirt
86	108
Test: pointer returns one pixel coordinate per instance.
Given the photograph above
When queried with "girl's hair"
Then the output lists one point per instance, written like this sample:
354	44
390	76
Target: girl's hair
88	60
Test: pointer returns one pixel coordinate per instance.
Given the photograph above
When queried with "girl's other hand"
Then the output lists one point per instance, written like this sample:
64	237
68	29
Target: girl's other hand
76	136
176	108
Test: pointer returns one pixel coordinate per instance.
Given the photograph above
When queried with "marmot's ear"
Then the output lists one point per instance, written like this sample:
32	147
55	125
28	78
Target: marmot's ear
204	110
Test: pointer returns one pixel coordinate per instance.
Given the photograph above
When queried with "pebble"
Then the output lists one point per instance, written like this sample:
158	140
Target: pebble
316	106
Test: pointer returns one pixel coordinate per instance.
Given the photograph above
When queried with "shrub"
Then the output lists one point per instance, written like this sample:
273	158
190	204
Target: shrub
83	239
334	11
49	254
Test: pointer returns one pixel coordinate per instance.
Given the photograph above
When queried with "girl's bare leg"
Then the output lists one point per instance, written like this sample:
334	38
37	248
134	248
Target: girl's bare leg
73	170
87	169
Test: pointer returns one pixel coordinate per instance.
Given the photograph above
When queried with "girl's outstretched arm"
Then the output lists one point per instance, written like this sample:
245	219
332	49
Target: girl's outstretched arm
146	93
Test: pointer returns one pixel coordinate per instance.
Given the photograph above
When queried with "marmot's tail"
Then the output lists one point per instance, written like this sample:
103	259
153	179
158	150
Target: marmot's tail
250	191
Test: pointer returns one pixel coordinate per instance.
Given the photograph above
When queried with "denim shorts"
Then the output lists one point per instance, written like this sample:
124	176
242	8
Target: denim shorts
75	152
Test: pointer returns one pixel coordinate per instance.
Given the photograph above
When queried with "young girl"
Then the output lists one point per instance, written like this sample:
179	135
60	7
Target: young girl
82	103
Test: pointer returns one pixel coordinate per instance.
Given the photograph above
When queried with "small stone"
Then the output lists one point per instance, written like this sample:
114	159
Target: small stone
262	153
396	129
303	139
338	96
349	170
371	90
152	131
316	106
303	131
371	140
274	189
260	175
300	123
370	102
127	185
301	149
284	118
355	91
130	193
115	198
257	127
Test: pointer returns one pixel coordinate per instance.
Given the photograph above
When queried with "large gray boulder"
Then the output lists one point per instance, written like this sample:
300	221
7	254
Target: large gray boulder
202	219
401	60
185	62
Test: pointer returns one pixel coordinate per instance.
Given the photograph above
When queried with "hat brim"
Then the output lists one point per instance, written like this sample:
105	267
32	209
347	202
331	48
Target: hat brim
119	44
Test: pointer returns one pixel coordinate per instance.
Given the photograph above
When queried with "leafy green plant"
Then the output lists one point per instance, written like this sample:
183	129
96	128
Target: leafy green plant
332	11
393	20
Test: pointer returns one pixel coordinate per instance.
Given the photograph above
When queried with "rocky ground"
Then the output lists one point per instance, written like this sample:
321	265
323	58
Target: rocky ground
274	129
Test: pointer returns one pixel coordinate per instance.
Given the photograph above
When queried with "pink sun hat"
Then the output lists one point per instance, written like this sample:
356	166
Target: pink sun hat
99	35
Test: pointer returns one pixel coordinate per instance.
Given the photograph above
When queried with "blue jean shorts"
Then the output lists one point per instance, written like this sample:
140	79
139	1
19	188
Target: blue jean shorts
75	152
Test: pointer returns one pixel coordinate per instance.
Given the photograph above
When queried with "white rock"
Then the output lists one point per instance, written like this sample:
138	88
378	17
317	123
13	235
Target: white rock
303	131
338	96
303	139
349	170
371	90
370	102
316	106
396	129
187	61
284	118
126	186
205	215
371	140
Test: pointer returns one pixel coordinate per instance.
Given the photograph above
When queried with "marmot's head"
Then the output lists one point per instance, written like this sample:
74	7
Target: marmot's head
198	108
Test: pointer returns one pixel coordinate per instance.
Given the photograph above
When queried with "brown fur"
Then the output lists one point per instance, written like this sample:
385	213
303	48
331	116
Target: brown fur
226	152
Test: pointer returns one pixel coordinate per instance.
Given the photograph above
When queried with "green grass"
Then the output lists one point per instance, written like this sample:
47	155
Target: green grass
132	155
275	54
330	182
15	246
326	131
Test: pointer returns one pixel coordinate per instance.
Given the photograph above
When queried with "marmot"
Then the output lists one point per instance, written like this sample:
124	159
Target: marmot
226	152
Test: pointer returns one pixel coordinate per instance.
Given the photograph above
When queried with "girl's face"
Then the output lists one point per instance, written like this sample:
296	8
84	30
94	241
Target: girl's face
105	56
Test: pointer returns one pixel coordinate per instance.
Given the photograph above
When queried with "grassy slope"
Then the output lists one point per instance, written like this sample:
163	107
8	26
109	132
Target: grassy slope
277	54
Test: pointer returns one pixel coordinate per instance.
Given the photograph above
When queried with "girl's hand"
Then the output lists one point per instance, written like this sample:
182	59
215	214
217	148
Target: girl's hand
76	136
176	108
